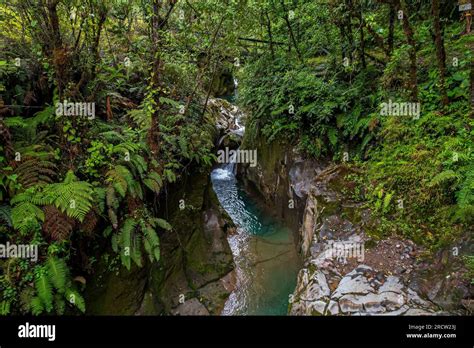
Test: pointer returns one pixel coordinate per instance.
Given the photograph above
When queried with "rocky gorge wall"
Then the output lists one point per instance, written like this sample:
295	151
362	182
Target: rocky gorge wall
389	276
195	273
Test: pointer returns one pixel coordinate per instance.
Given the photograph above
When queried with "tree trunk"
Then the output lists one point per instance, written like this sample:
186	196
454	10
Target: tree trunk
270	37
350	36
472	82
343	47
59	54
157	70
362	40
290	30
407	29
440	51
391	29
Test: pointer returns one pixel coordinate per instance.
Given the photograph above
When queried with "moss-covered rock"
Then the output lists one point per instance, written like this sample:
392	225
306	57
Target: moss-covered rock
196	254
115	290
195	258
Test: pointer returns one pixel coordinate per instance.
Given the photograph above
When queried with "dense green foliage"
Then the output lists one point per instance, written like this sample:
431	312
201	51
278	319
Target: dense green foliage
76	186
312	74
328	103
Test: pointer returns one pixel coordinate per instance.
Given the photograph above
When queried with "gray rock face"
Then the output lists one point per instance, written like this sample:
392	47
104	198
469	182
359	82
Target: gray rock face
384	279
301	175
353	284
333	308
309	223
335	280
228	117
191	307
392	284
355	294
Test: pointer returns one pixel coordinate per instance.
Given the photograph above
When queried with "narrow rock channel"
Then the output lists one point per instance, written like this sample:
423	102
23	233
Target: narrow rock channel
264	252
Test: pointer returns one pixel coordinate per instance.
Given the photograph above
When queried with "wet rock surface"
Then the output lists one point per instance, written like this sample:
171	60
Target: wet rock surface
347	273
391	276
228	118
197	260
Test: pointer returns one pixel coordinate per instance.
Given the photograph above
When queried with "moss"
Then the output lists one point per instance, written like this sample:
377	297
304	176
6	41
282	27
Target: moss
115	293
188	261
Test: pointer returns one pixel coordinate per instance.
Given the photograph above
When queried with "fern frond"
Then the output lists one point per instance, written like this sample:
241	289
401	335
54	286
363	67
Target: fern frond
465	196
111	136
112	205
332	136
26	215
59	304
120	178
90	222
126	146
170	175
137	165
99	197
36	306
445	176
34	171
5	214
135	252
151	243
57	273
25	196
153	182
45	291
125	241
57	225
74	298
140	117
161	223
71	196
